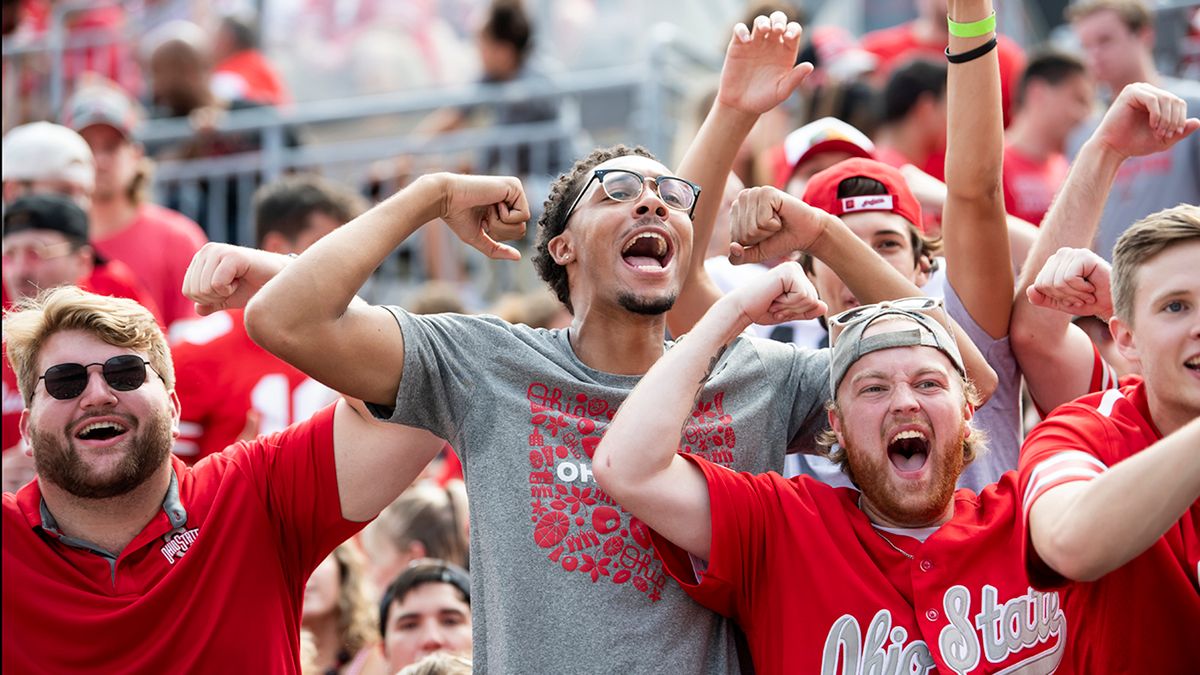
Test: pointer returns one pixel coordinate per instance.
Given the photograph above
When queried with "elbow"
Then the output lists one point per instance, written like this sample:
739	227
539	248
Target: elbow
264	326
1072	556
985	381
603	471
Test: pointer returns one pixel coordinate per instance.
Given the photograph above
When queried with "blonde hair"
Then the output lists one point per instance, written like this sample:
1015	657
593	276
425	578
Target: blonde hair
1144	240
120	322
427	514
974	445
1133	13
439	663
356	613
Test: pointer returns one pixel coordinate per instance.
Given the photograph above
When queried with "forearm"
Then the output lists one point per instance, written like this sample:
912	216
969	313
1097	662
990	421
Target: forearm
975	231
312	293
707	162
644	436
1042	338
1118	515
871	279
1075	214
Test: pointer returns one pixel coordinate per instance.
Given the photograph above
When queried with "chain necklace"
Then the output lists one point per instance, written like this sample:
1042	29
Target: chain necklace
874	529
902	552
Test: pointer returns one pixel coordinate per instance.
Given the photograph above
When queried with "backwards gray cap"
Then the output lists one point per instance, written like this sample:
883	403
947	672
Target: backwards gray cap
851	346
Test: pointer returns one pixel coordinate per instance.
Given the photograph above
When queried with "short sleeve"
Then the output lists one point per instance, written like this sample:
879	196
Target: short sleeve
1056	452
742	522
443	355
808	380
296	473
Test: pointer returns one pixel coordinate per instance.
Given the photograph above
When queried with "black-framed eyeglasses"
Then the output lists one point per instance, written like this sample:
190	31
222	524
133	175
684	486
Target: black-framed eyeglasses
65	381
624	185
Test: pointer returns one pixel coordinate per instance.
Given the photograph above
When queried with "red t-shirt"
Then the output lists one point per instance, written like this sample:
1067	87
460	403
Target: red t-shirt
220	594
1145	616
111	278
158	246
1030	186
221	375
260	82
818	589
893	46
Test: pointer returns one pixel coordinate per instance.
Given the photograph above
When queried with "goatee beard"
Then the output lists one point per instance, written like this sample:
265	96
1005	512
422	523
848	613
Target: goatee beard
646	306
59	463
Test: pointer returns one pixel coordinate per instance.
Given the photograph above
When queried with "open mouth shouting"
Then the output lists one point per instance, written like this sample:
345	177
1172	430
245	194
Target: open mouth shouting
647	251
101	432
908	450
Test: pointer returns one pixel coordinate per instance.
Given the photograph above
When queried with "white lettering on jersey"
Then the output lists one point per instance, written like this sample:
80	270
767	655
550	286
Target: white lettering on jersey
179	544
1020	623
865	654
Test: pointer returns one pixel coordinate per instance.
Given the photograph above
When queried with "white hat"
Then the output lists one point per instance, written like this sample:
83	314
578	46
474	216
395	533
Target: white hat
45	151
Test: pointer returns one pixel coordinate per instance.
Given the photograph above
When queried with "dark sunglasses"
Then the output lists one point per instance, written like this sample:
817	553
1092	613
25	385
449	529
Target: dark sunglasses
623	185
68	380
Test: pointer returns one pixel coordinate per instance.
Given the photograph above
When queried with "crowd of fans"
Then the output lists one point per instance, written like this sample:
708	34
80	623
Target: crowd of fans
905	351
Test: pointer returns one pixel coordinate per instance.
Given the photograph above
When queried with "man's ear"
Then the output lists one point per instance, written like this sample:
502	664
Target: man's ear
562	249
1124	339
835	423
176	413
25	428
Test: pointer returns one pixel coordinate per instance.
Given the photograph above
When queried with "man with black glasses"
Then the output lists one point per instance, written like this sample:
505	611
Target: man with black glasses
119	557
557	566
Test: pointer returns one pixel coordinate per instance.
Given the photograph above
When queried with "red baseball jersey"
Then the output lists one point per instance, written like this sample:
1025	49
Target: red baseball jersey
818	589
213	584
1155	596
222	376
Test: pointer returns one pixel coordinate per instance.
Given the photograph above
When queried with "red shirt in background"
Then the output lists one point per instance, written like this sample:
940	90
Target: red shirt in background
222	378
1030	186
1141	617
259	82
893	46
158	246
219	593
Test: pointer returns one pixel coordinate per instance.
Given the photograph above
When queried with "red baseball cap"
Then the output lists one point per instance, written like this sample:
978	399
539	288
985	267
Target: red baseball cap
822	190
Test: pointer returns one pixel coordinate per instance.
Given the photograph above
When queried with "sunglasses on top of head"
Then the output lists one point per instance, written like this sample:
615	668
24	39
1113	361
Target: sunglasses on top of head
623	185
839	322
66	381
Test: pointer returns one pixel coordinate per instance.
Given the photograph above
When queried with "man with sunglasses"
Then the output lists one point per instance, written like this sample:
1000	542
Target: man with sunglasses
117	541
46	245
902	574
557	565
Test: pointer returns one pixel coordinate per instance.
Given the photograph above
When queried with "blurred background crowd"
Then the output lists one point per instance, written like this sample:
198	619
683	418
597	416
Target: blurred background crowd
136	131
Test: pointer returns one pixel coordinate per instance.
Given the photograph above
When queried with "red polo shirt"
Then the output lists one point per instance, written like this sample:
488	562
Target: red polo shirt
213	584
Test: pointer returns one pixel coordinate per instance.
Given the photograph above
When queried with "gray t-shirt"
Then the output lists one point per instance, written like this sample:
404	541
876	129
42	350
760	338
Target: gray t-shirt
1145	185
999	418
562	578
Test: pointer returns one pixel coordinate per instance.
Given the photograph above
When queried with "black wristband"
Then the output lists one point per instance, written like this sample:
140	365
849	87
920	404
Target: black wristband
971	54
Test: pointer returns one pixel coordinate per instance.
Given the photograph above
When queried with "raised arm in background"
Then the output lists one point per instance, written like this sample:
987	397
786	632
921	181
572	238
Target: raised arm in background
1055	355
768	223
974	226
636	462
760	72
304	315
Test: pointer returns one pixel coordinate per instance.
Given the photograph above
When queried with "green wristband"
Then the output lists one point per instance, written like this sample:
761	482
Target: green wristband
973	29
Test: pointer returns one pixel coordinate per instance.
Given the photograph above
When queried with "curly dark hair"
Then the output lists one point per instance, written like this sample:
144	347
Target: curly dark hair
553	221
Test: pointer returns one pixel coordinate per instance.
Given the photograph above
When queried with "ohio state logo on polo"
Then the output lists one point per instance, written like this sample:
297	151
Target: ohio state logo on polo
582	529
